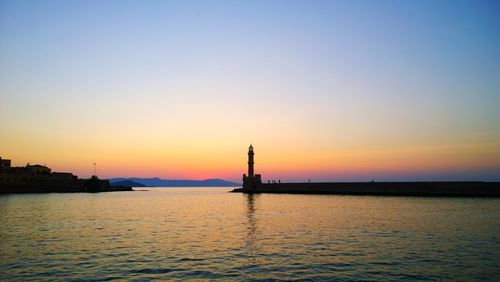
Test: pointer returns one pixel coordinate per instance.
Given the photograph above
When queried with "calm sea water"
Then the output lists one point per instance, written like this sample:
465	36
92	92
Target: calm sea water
207	233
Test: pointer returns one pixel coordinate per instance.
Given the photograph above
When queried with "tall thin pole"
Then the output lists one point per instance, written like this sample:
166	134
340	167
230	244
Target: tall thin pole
94	171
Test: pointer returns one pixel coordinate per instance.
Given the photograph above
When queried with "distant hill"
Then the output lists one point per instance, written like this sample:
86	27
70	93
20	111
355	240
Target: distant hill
158	182
126	183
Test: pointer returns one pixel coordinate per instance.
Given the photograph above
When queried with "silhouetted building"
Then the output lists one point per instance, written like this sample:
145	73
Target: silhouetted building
64	175
252	181
38	169
39	178
4	164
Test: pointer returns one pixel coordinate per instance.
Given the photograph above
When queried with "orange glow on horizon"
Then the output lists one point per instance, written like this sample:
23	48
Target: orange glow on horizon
332	165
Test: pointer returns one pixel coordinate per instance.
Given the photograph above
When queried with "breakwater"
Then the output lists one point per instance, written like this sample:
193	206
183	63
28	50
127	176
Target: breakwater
58	189
79	185
449	189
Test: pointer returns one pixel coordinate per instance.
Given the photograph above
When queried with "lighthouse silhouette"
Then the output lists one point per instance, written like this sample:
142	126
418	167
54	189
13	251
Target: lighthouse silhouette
252	181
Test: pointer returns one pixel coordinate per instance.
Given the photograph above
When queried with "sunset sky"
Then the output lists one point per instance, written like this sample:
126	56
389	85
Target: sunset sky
324	90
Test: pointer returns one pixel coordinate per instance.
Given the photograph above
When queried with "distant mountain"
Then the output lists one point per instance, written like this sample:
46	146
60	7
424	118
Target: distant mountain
126	183
158	182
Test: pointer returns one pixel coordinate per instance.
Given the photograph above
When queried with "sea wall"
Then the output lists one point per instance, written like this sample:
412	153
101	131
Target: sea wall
460	189
46	185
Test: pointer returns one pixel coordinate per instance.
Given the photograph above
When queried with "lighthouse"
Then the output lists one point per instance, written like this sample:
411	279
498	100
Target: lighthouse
250	161
252	181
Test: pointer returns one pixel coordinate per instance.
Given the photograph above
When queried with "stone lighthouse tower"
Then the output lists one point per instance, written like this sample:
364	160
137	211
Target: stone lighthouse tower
252	181
250	161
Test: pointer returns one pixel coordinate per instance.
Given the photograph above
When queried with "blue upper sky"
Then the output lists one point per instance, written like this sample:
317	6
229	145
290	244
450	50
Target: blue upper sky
321	78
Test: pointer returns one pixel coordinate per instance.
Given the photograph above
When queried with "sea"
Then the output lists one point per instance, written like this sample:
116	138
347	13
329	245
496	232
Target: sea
211	234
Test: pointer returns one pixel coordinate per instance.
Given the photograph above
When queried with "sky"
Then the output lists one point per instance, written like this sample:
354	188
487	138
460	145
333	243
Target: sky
324	90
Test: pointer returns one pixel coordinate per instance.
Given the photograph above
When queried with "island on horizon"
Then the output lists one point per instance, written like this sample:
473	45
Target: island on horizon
159	182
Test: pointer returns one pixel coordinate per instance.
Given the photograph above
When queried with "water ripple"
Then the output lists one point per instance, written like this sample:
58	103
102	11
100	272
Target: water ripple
202	234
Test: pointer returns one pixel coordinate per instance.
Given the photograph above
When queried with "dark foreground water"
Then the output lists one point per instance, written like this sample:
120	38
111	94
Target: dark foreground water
207	233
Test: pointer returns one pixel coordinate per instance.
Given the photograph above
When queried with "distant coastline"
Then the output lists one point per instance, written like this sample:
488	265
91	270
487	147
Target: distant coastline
158	182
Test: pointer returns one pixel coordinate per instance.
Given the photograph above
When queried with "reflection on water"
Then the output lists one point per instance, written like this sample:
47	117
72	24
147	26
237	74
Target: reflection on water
251	237
207	233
